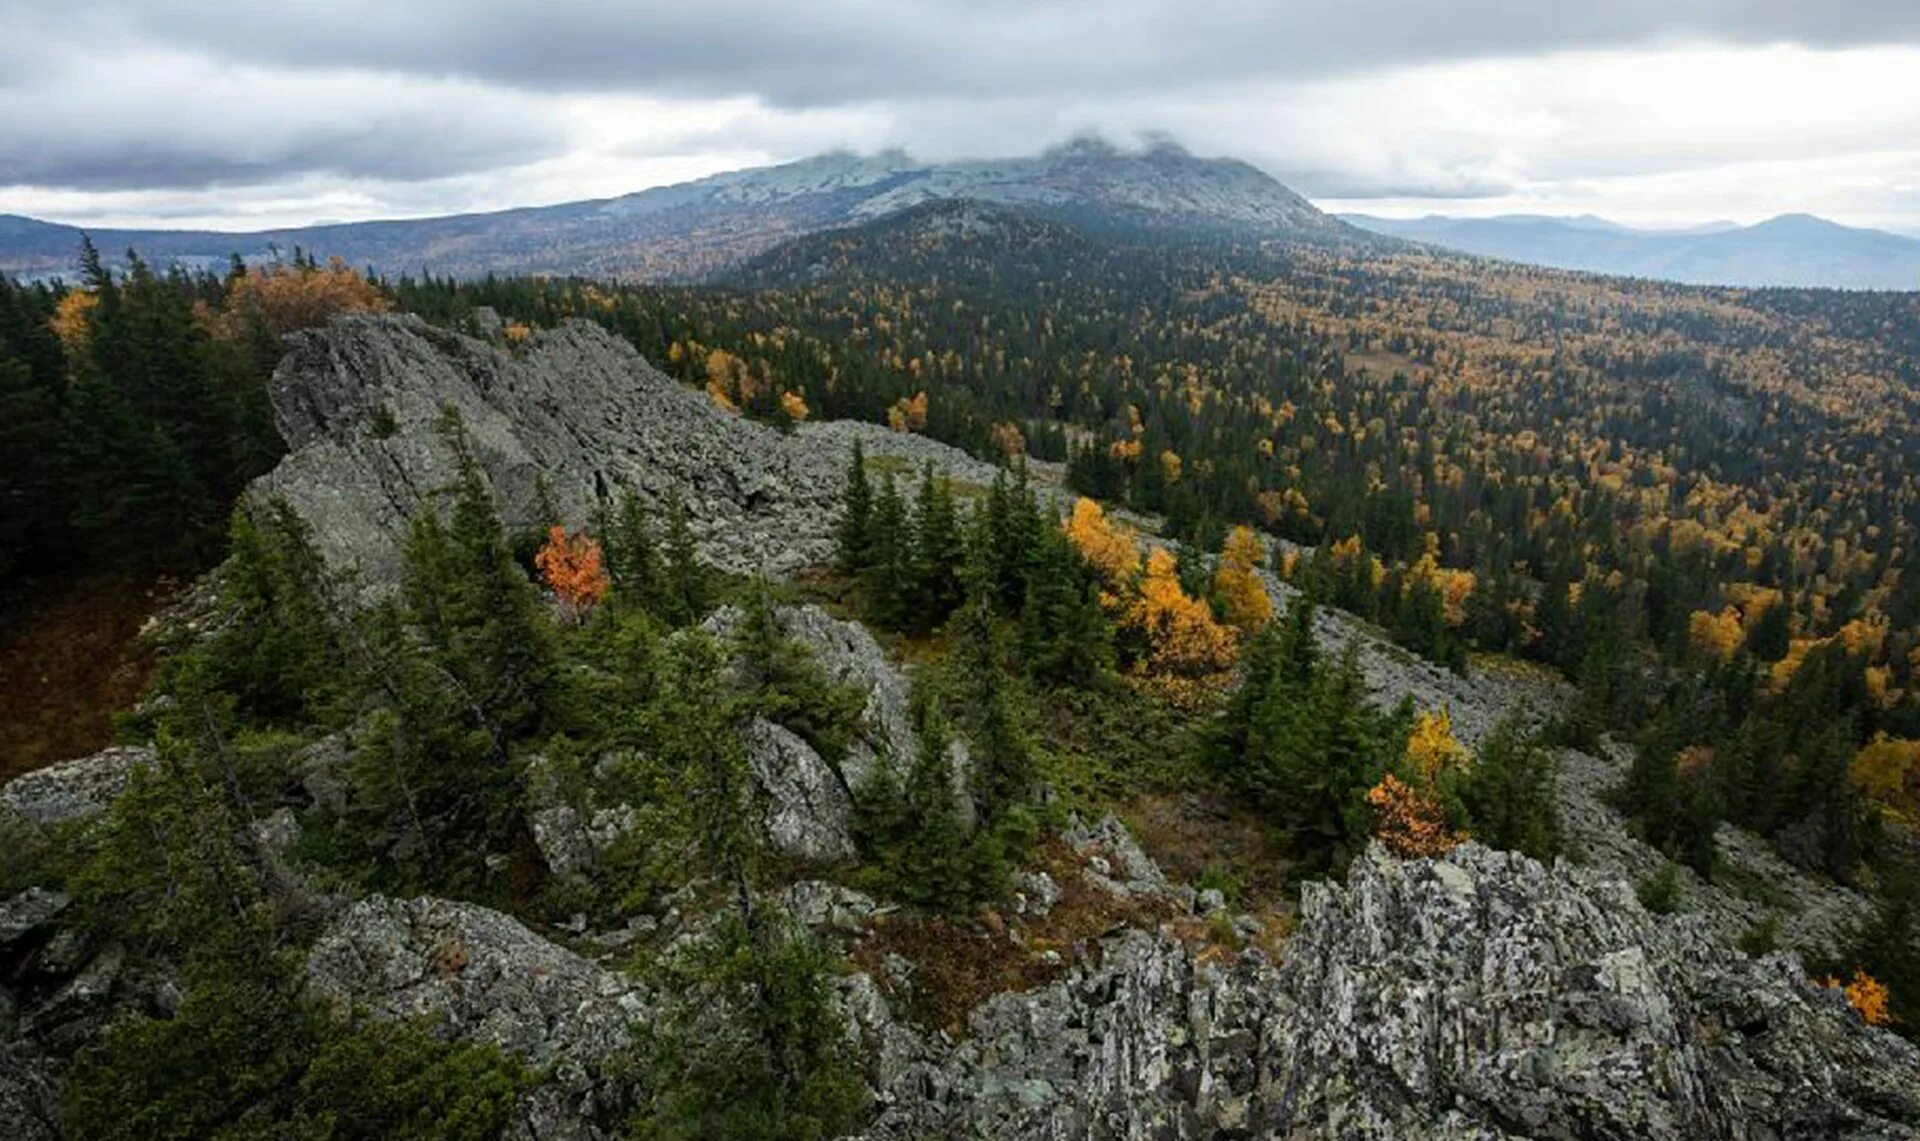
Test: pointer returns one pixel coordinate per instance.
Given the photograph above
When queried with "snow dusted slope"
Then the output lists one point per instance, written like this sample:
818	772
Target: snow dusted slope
697	230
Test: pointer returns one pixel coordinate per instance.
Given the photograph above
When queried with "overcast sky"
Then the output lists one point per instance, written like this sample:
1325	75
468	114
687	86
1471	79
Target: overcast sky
243	114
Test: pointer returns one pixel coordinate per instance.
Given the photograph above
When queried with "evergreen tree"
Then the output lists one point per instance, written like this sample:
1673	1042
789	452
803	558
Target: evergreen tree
854	553
1772	632
1012	529
913	833
1004	764
1510	796
887	584
684	600
783	683
245	1053
33	484
1066	636
938	552
279	649
633	558
474	609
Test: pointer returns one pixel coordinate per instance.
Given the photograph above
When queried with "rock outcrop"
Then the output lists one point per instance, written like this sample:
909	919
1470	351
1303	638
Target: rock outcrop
1481	995
72	790
480	976
561	423
809	799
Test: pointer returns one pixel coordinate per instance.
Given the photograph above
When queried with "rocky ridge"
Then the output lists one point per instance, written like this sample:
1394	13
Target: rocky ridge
566	422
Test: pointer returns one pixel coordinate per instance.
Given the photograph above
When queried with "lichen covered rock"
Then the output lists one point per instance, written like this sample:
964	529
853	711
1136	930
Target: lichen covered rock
73	790
1480	995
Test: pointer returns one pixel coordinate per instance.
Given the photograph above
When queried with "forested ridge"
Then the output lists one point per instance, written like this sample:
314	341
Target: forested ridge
1694	504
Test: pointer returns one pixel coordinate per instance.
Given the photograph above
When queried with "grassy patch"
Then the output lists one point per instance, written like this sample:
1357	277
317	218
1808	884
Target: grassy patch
1205	839
959	963
70	660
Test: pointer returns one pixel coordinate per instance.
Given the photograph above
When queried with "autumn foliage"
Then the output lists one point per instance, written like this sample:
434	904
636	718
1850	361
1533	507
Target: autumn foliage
1886	774
1867	995
1432	750
1186	643
1409	822
280	298
72	318
794	407
908	414
1104	544
572	566
1237	584
1186	651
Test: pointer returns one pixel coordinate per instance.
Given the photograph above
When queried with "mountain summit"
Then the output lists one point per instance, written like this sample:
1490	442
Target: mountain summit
695	229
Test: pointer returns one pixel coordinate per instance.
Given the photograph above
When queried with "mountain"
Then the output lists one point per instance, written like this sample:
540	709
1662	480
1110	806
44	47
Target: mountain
1791	250
692	230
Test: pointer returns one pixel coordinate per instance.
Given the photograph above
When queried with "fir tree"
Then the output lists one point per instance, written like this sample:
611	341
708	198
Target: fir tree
887	583
1066	636
1004	765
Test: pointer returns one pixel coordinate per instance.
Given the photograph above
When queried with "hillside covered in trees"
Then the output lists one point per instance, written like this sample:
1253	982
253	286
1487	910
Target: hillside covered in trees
570	704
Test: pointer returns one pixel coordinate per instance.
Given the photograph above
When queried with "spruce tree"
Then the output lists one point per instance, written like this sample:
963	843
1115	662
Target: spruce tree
684	599
1066	636
887	583
1510	796
1004	764
633	558
279	649
854	552
938	552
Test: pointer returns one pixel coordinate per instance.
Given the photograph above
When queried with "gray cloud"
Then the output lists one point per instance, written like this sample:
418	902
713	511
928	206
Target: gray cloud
420	106
117	114
831	51
391	150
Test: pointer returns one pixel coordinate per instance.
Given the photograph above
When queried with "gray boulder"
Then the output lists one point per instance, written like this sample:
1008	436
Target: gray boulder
567	420
809	813
810	802
73	790
827	906
479	976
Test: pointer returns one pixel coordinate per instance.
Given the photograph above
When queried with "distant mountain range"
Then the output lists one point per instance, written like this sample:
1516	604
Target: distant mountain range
694	230
699	230
1791	250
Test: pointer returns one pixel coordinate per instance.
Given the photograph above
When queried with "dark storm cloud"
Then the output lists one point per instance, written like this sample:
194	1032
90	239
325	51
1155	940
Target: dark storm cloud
805	54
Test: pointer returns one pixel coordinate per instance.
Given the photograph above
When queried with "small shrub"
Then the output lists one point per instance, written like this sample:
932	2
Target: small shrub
1661	892
1763	938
